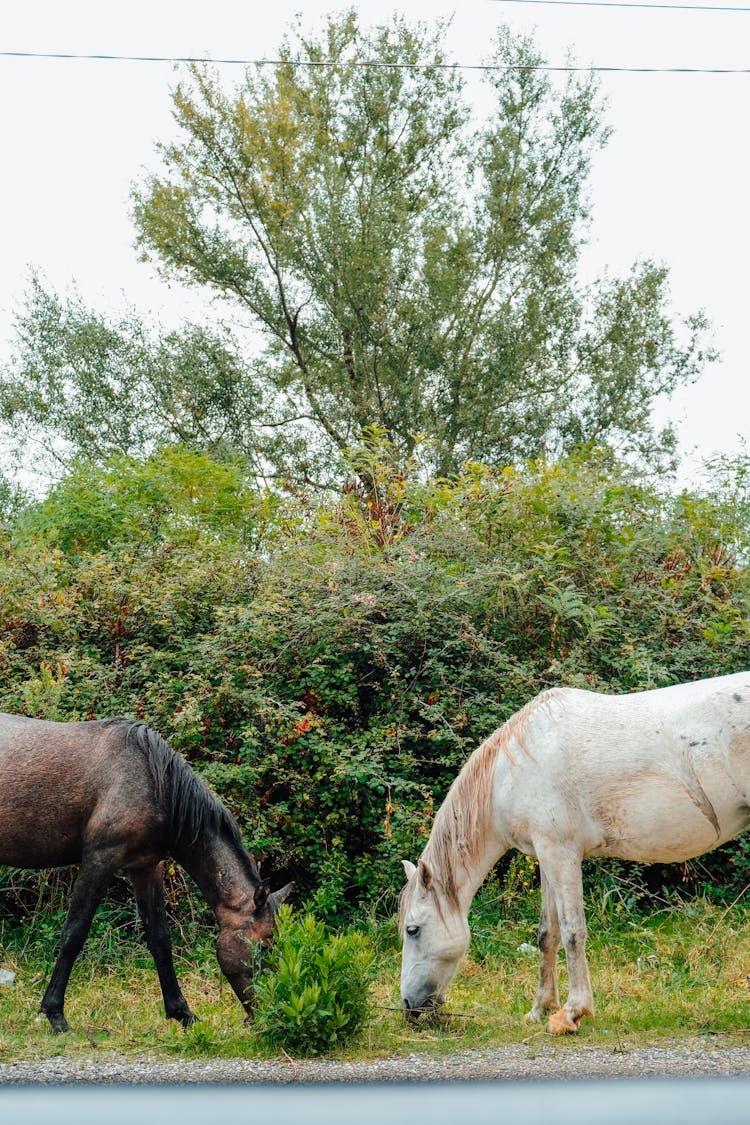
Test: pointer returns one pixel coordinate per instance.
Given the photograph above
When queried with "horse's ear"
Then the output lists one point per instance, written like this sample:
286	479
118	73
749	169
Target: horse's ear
261	895
280	896
425	874
409	868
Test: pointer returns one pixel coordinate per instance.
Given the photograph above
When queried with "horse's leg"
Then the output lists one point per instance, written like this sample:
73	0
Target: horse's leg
93	879
149	894
563	870
547	996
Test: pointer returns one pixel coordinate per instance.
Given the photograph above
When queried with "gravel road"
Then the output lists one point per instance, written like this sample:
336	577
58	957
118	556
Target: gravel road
693	1058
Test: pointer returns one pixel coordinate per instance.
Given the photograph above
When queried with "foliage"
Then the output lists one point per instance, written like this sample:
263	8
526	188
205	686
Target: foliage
314	996
80	384
176	496
329	667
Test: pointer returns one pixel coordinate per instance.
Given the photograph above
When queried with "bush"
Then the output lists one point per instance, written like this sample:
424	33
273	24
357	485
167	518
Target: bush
329	667
315	995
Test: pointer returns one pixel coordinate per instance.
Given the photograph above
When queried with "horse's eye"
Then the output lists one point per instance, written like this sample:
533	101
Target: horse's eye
412	931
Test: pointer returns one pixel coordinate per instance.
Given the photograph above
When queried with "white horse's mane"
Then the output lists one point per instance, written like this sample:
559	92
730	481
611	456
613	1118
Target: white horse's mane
463	821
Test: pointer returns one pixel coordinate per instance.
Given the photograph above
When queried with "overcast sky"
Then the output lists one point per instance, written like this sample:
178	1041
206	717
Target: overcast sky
672	185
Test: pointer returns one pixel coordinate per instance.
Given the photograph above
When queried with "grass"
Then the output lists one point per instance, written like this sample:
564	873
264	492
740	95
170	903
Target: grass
675	974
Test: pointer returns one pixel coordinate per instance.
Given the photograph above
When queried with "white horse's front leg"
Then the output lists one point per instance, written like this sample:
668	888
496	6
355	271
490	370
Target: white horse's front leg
563	870
547	997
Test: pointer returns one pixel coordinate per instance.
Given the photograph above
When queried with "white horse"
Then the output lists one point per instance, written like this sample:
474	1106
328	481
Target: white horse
656	776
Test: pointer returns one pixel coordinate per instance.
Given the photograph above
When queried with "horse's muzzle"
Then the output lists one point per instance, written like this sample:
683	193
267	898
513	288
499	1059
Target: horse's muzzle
412	1011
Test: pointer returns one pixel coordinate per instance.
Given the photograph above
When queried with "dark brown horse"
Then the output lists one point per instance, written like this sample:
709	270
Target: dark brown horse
111	795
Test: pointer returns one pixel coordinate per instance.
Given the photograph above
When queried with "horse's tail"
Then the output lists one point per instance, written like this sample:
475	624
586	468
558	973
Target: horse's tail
190	806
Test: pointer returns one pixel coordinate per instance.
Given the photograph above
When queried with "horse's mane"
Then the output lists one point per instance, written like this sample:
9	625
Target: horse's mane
462	822
191	808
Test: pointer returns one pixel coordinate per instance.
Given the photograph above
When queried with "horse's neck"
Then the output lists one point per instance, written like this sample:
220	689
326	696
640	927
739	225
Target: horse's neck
472	878
222	878
466	840
468	875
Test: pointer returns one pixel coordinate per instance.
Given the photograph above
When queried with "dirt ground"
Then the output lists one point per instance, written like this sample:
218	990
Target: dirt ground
703	1057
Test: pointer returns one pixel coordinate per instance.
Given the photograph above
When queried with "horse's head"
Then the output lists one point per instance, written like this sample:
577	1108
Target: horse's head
435	936
243	933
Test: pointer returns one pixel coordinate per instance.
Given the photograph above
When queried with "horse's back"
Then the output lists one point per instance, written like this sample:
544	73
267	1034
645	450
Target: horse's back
619	728
656	776
31	750
58	781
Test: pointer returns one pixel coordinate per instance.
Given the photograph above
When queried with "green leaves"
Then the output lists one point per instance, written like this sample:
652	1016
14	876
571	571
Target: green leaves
314	996
82	385
176	496
330	667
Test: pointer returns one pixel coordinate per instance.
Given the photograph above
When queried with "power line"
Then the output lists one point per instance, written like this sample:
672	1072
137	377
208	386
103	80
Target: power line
378	64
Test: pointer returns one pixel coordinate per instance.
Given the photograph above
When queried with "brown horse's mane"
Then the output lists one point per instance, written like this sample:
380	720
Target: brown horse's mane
462	822
191	808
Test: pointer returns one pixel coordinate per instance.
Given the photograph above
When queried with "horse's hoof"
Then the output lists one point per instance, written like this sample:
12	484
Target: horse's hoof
562	1023
533	1016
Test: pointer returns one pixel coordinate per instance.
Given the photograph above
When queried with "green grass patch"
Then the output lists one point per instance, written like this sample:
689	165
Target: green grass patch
675	974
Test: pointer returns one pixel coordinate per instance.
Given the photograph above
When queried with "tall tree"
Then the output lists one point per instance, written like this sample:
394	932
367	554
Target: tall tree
410	267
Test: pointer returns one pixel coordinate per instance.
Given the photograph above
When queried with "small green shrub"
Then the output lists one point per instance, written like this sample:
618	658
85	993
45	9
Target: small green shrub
315	995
